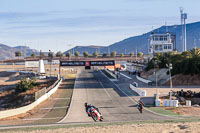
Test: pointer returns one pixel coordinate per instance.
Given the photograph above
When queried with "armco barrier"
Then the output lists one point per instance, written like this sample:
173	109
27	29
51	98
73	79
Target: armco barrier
143	80
138	91
17	111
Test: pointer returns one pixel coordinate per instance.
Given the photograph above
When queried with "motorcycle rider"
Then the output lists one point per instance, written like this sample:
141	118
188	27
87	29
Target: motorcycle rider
88	108
140	105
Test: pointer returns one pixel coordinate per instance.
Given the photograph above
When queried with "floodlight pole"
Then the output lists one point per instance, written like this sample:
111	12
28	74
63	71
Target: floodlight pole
169	66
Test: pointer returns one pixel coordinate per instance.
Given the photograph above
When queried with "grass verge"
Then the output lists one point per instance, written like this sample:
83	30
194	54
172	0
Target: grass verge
64	91
162	111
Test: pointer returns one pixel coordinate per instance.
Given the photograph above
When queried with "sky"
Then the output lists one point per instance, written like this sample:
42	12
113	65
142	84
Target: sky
59	25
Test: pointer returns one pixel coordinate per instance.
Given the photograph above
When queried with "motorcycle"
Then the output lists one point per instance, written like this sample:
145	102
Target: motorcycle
140	108
94	113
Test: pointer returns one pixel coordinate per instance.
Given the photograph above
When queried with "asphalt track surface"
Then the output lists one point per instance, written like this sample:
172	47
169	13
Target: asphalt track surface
115	103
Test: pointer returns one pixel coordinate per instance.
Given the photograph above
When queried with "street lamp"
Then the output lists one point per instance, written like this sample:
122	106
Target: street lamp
51	57
155	64
169	66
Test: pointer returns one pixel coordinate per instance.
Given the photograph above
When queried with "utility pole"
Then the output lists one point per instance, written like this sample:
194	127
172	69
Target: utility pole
136	53
169	66
109	50
155	65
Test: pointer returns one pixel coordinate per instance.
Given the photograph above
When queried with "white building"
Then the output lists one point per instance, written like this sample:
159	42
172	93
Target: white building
161	43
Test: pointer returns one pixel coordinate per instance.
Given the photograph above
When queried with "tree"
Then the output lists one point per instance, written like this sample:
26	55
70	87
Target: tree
59	54
50	54
68	54
140	54
104	54
77	54
113	54
95	54
18	54
131	54
85	54
33	55
121	55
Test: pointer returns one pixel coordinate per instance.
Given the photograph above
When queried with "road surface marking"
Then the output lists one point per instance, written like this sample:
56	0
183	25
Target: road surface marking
125	76
132	99
59	98
33	119
71	101
54	108
105	89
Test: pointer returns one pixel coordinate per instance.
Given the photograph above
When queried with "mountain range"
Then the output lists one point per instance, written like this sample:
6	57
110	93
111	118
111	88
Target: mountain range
125	46
140	42
7	52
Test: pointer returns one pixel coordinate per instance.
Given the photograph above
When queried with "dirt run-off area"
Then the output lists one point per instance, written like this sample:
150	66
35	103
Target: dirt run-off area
10	98
179	127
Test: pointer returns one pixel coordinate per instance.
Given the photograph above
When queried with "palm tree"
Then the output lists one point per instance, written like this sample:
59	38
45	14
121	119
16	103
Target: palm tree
121	55
50	54
95	54
195	52
131	54
18	54
76	54
140	54
113	54
59	54
104	54
68	54
85	54
33	55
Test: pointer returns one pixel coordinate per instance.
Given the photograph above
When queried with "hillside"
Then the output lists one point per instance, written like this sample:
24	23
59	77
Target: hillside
7	52
81	49
141	41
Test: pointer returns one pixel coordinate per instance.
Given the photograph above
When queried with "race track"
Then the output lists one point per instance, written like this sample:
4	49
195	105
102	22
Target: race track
114	103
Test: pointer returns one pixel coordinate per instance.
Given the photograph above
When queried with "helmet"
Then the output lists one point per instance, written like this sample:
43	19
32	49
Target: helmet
85	104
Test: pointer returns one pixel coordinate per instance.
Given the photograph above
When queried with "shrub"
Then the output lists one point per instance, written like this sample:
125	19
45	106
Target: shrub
25	83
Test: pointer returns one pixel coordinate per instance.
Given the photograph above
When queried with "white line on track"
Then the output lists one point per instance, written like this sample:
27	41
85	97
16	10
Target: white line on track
120	89
54	108
105	89
33	119
59	98
125	76
135	100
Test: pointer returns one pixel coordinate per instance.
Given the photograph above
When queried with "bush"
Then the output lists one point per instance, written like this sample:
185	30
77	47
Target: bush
25	84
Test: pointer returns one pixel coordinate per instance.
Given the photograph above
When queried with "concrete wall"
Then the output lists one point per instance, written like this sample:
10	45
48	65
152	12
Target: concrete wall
113	75
138	91
143	80
17	111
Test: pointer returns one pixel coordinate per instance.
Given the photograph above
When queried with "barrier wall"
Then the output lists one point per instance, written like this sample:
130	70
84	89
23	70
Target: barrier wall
138	91
143	80
25	72
17	111
113	75
166	103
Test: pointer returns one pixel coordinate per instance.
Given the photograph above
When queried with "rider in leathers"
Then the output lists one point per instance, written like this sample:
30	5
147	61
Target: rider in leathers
88	108
141	104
